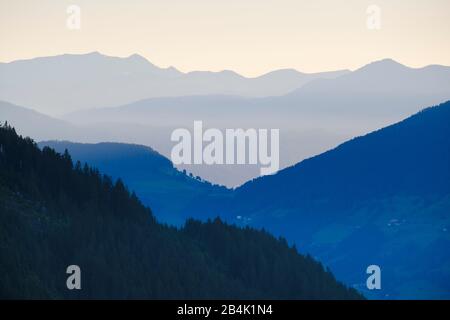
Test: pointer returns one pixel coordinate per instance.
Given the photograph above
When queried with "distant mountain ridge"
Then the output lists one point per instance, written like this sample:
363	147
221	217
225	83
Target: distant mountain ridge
312	119
70	82
318	116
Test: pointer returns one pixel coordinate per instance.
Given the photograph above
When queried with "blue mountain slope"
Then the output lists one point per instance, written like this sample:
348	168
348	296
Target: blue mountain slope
149	174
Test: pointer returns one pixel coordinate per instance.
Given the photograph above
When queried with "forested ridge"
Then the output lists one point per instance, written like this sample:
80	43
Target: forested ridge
54	213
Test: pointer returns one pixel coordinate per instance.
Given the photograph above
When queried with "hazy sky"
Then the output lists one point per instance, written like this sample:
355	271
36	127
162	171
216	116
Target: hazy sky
248	36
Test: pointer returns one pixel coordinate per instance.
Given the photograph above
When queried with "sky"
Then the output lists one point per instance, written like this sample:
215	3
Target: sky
248	36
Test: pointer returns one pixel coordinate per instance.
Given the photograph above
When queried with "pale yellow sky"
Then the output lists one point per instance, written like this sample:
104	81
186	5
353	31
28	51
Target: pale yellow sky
248	36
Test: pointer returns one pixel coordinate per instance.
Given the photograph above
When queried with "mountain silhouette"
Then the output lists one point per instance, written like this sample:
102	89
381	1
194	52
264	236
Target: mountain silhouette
61	84
314	118
35	124
402	88
55	214
382	198
317	116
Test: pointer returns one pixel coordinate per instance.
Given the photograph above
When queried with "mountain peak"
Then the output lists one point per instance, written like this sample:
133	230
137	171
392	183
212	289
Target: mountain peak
384	65
136	56
282	72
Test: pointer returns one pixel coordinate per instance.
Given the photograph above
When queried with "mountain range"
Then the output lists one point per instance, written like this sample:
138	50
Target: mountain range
55	216
70	82
381	198
314	113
